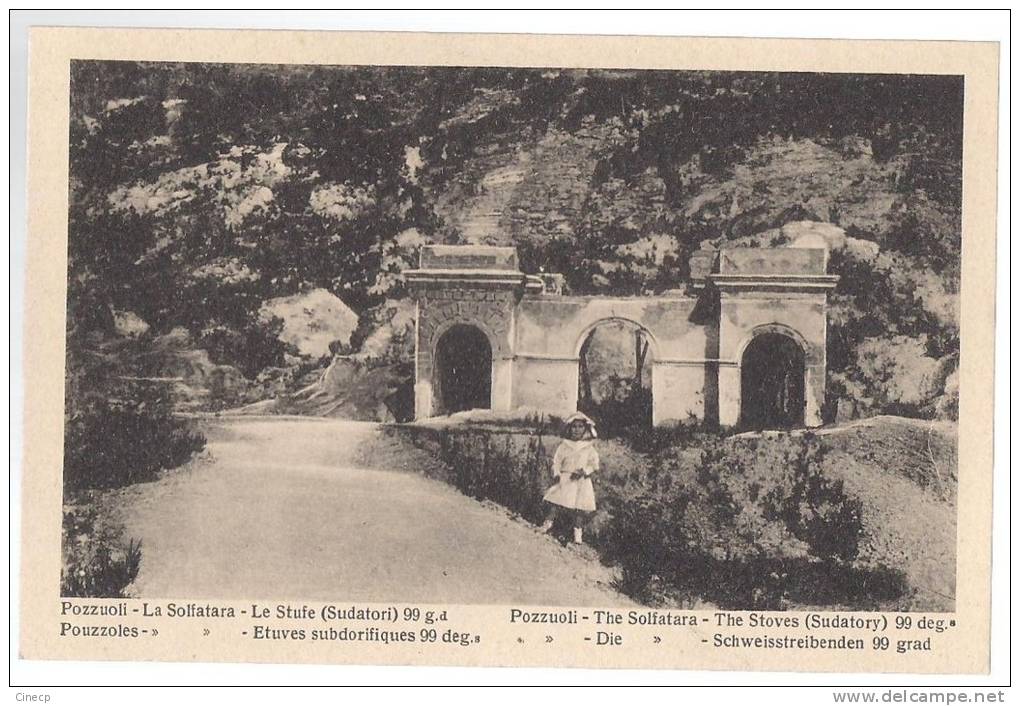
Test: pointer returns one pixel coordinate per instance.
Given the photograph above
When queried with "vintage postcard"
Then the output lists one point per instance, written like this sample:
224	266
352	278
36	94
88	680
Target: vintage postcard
509	350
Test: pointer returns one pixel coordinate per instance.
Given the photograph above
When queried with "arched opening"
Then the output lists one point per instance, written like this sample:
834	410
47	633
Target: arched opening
464	369
772	383
614	381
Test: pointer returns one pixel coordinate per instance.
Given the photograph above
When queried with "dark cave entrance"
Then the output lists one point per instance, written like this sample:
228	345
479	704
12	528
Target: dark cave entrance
464	363
772	383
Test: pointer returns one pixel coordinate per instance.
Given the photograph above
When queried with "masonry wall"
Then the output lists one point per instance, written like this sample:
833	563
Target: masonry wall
550	332
545	384
696	344
681	391
557	326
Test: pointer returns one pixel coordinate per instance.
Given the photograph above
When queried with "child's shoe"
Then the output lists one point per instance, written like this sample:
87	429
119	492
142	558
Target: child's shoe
546	526
578	535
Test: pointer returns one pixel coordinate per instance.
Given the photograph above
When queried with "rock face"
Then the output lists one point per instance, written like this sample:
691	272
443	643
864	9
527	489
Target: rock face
128	323
393	338
312	321
198	382
475	211
613	178
346	389
532	189
810	234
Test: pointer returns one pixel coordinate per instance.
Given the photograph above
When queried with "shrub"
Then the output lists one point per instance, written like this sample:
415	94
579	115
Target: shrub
813	508
692	432
251	347
625	413
95	563
634	538
508	468
732	520
111	440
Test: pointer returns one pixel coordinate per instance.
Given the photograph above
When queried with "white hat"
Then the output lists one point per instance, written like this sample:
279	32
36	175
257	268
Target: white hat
581	417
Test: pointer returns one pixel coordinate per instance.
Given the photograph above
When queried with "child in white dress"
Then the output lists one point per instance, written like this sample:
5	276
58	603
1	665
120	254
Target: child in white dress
573	464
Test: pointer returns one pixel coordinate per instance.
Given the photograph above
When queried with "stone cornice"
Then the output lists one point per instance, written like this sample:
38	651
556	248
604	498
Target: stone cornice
445	278
772	282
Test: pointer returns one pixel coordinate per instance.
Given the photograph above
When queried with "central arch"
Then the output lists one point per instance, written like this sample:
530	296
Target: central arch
463	369
615	360
653	343
772	382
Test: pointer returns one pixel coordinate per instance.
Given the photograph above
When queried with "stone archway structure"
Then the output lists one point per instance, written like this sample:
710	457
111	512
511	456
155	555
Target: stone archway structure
697	335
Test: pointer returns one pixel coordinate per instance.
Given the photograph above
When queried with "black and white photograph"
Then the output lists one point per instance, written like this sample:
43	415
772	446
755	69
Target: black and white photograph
677	339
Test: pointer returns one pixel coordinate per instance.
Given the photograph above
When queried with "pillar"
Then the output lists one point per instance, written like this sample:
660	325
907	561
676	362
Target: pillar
729	394
502	384
814	394
422	400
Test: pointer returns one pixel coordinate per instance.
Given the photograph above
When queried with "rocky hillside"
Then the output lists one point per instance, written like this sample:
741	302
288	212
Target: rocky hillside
259	216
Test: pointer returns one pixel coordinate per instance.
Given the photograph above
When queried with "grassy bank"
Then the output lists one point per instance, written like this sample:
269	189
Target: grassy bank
855	518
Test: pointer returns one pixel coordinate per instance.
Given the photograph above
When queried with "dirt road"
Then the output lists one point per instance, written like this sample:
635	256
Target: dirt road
296	509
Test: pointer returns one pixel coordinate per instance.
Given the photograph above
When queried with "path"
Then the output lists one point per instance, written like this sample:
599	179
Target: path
290	509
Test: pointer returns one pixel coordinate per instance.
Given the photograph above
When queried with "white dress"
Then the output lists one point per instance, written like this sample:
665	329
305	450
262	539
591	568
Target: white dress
577	494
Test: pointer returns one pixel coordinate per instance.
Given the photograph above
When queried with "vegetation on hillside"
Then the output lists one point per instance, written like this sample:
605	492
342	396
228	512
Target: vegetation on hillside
96	561
200	192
